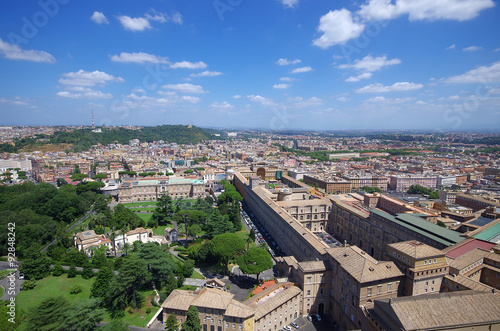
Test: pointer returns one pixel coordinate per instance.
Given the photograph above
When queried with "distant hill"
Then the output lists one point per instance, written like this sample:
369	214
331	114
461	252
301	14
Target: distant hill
82	139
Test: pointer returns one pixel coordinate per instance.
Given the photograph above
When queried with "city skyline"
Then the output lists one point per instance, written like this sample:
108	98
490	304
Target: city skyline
278	65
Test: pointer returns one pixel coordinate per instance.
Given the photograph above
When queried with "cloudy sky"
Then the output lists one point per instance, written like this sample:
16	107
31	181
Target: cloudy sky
270	64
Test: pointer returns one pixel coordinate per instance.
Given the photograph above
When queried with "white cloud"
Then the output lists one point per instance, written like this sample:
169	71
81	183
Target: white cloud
337	27
285	62
86	93
286	79
300	70
496	50
381	99
138	58
290	3
221	106
207	74
369	63
460	10
262	100
188	65
99	18
378	10
144	23
453	97
176	18
357	78
299	102
14	52
342	99
87	78
451	47
185	88
472	49
190	99
281	86
237	96
396	87
483	74
134	23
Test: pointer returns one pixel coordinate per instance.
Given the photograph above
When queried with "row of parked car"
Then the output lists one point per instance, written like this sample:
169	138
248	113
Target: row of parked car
262	236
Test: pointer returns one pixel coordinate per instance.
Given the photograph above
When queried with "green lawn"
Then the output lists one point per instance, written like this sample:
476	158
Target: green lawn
243	234
2	291
143	209
140	204
160	230
196	275
145	217
53	287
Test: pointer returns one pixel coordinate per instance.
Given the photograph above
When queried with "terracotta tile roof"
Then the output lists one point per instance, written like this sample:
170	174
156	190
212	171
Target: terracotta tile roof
362	266
179	300
467	245
273	298
467	282
454	309
238	309
213	298
416	249
466	259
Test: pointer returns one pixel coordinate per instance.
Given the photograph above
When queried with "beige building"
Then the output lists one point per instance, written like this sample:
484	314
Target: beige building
219	311
424	266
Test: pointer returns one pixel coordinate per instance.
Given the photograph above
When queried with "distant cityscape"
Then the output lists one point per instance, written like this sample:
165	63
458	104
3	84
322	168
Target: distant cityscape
367	231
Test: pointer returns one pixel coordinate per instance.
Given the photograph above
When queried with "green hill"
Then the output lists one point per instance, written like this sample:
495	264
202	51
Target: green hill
82	139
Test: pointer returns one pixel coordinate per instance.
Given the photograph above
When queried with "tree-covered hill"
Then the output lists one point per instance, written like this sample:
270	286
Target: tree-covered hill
82	139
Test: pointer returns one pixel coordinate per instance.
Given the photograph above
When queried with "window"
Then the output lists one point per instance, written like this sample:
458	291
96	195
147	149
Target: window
309	280
308	292
389	287
369	291
379	289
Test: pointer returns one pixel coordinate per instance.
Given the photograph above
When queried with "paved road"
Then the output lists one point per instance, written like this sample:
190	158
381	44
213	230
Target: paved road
10	283
71	227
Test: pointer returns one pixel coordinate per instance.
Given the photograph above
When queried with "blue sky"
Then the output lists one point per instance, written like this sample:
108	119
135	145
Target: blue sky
270	64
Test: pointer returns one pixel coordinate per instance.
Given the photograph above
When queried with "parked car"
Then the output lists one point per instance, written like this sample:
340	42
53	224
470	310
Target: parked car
309	317
287	328
318	317
295	325
21	276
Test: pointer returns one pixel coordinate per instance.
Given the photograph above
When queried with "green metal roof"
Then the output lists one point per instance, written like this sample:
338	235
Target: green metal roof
489	233
420	226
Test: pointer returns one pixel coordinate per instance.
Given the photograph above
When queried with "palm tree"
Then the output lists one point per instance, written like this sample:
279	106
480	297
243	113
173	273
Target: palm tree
126	247
248	241
112	236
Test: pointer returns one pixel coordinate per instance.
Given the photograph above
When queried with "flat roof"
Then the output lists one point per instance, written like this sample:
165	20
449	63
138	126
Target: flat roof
422	227
489	233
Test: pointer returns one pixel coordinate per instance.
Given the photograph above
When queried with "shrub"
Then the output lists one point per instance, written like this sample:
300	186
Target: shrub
148	310
29	284
72	272
130	311
58	270
75	289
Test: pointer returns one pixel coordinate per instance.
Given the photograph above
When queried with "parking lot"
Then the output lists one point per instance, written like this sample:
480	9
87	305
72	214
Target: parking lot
305	325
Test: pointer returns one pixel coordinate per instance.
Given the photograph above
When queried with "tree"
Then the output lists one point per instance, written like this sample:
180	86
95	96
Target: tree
87	272
115	325
61	182
132	275
100	287
164	209
35	265
192	322
170	285
78	177
49	315
126	247
171	324
57	270
83	315
193	230
112	237
227	246
158	261
100	177
254	261
72	272
371	189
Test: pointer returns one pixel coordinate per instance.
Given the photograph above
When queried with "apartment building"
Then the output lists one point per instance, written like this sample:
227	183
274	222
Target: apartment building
424	266
358	182
330	185
135	189
402	183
